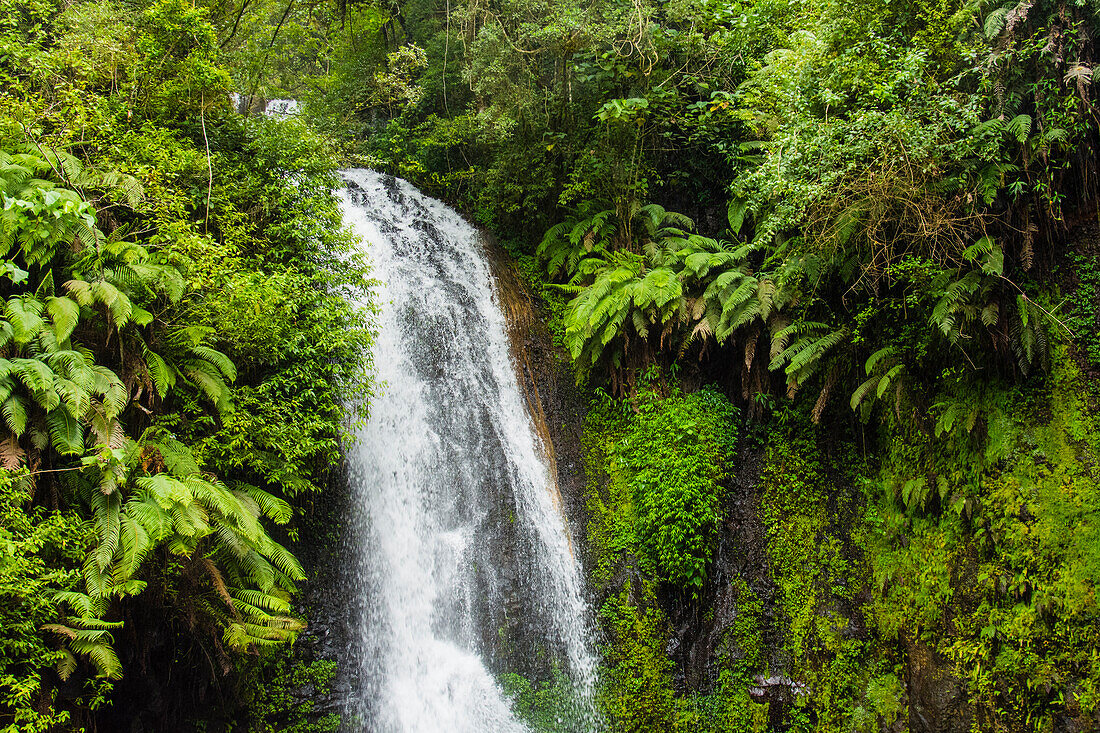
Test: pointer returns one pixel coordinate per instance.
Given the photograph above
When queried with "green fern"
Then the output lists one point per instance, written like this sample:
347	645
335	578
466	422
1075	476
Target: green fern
806	354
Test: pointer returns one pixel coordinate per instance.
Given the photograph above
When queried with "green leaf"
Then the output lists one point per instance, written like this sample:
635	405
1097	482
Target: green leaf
736	214
65	314
1020	127
15	415
876	357
66	432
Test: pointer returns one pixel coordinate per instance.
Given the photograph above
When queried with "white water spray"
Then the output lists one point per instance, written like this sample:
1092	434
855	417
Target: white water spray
465	557
281	108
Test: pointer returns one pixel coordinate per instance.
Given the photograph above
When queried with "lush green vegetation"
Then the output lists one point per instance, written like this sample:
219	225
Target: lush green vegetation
665	462
656	484
175	351
868	225
826	267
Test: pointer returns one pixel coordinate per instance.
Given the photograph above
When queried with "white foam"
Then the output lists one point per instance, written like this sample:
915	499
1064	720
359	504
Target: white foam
448	427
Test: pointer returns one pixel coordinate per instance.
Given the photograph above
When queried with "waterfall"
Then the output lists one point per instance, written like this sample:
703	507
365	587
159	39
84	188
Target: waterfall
281	108
465	563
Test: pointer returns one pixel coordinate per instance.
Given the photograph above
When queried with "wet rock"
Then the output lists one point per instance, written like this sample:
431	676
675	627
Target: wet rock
937	698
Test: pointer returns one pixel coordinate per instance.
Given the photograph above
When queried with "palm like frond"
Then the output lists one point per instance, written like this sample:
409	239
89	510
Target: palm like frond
58	396
686	288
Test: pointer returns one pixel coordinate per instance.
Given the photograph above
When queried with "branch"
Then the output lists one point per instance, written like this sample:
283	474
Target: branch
209	167
236	24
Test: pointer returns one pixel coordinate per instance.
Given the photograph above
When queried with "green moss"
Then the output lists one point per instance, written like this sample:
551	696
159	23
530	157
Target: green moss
794	515
547	706
1083	303
999	575
636	692
741	656
810	516
655	484
611	529
534	276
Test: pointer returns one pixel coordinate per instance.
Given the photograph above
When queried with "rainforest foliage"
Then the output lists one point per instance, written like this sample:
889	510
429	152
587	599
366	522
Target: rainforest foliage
827	267
176	346
869	229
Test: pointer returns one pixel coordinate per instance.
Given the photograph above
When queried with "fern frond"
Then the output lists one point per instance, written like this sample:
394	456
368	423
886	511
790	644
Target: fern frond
271	506
1019	127
164	378
15	415
862	391
134	542
65	313
24	313
282	558
66	432
102	655
267	602
210	384
218	360
106	514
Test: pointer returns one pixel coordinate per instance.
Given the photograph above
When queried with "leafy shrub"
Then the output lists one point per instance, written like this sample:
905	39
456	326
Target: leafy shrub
40	555
285	696
676	452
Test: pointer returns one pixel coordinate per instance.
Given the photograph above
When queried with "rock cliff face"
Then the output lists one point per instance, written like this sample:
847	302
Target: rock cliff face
556	405
333	598
932	696
699	629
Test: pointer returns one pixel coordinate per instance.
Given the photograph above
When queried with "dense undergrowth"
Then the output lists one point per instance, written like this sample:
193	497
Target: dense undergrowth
826	269
959	567
866	228
176	348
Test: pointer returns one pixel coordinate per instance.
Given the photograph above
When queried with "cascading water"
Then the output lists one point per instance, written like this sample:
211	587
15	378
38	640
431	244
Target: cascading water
466	563
281	108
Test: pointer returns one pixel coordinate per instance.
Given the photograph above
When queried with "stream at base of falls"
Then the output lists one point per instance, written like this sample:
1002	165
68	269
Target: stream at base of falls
465	566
